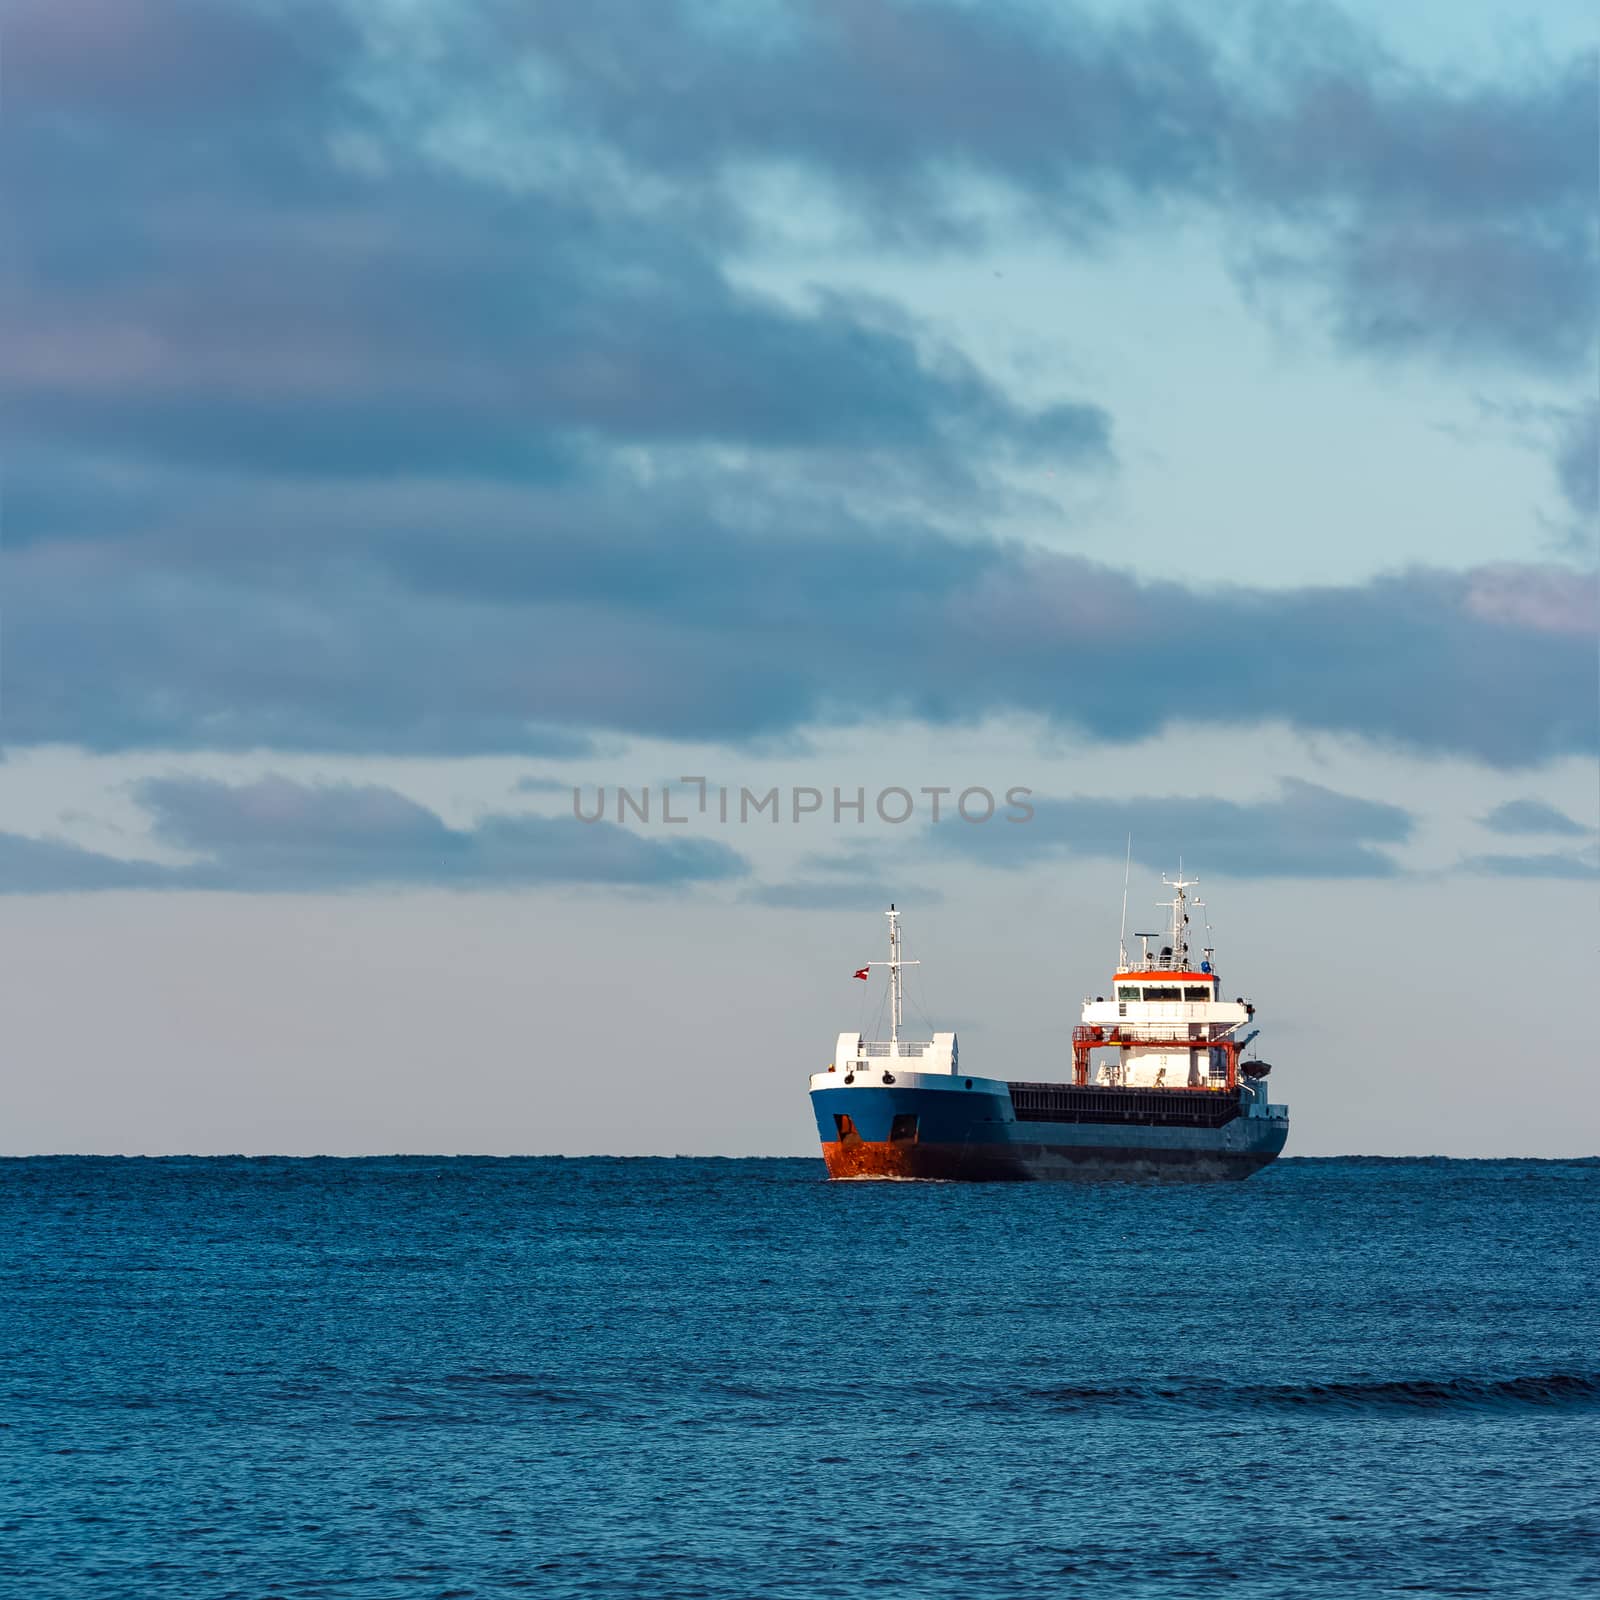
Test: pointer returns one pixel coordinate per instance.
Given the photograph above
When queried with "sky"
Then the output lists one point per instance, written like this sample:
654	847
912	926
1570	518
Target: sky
420	418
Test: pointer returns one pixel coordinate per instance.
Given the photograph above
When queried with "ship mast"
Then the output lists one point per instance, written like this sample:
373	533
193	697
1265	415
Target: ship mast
894	964
1122	935
1178	939
894	974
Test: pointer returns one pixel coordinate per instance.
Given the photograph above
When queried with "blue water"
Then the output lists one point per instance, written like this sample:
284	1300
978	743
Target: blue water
472	1377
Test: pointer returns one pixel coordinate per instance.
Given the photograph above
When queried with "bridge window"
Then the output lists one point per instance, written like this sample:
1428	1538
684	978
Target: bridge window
1163	994
1197	992
1128	992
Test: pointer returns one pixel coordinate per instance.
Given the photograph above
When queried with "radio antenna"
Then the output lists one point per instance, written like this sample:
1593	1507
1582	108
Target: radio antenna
1122	935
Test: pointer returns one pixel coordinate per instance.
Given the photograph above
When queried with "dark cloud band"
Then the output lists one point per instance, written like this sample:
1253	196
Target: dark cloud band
523	627
277	836
1307	831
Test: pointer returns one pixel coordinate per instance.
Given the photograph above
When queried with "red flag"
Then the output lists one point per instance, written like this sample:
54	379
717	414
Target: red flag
862	974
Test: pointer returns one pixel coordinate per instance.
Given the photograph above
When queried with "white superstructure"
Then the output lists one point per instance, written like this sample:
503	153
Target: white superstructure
1166	1016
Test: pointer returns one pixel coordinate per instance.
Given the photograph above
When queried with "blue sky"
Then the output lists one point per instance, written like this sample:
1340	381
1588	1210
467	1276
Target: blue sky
1187	413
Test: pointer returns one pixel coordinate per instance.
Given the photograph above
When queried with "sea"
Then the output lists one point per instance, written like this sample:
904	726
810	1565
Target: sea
453	1377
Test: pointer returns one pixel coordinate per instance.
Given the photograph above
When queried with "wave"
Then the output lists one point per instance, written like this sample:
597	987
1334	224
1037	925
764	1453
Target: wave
1545	1391
1542	1391
515	1385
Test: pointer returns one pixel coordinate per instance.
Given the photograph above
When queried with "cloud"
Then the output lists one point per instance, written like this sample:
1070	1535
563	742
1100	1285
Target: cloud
404	400
52	866
1460	292
312	250
1306	832
309	290
1532	816
1438	217
430	621
1569	437
171	64
1447	220
275	836
1534	866
1578	463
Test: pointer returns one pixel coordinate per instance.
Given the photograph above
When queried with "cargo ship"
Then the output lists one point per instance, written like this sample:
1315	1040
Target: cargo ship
1157	1087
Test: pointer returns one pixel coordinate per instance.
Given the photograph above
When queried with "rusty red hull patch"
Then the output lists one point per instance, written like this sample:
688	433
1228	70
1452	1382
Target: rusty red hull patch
854	1157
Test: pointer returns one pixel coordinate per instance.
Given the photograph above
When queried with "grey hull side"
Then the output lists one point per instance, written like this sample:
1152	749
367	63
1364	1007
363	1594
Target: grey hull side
1061	1150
